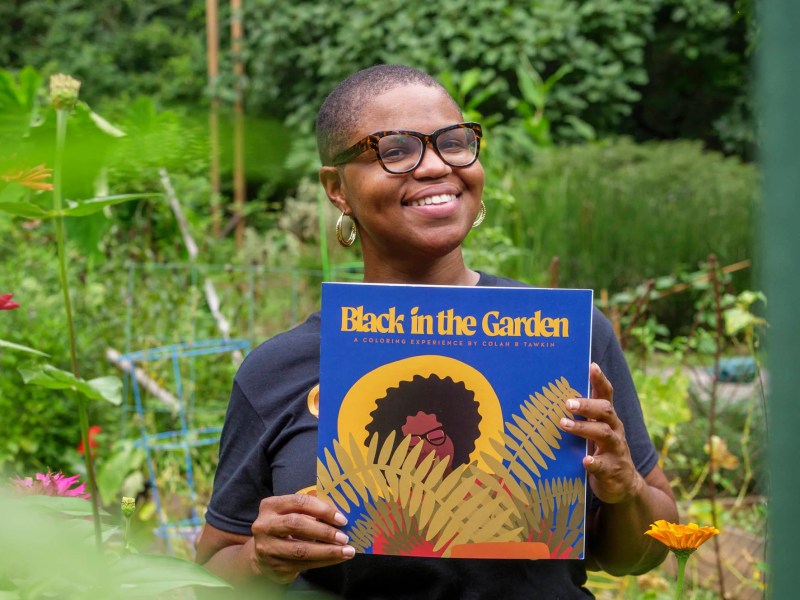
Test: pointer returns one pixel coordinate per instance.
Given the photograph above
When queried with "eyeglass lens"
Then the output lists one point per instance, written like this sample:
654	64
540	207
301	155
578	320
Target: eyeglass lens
401	152
435	437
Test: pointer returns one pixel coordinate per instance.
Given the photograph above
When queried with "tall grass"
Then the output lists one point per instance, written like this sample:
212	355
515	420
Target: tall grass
617	212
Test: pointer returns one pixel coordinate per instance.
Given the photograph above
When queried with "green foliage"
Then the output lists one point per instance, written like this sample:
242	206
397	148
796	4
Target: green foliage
43	432
44	552
650	68
123	50
300	50
616	212
698	63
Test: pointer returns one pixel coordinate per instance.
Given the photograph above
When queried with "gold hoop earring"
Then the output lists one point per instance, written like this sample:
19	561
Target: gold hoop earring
481	215
346	242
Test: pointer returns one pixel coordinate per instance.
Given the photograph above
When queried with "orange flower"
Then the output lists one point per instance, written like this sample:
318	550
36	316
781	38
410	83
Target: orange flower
32	178
681	537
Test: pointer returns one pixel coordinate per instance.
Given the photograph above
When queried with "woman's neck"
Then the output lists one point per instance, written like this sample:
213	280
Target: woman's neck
447	270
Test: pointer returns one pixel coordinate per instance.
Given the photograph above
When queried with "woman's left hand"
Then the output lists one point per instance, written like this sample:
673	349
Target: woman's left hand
612	475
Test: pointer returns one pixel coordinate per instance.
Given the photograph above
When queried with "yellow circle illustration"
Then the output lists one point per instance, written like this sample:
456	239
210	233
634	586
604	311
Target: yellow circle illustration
360	400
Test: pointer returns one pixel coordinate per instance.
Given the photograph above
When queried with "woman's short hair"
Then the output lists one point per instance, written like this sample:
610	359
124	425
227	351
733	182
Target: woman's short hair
452	403
338	116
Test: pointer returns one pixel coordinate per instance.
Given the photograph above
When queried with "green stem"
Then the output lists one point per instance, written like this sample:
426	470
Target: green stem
681	569
61	136
127	544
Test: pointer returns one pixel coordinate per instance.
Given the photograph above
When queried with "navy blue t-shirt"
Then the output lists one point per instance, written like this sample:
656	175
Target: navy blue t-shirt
269	447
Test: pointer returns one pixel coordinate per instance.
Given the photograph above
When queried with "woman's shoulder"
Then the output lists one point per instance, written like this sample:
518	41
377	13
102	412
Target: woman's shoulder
489	280
297	345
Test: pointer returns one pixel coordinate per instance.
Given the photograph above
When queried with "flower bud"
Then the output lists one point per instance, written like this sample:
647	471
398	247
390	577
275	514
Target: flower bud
128	506
64	91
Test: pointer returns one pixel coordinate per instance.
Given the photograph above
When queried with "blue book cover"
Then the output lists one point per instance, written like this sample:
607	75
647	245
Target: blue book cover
439	412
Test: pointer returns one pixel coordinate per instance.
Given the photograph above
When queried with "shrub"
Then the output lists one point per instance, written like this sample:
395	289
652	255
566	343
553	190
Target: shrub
617	212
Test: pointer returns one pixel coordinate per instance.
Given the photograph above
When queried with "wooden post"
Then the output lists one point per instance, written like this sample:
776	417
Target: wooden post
212	53
238	111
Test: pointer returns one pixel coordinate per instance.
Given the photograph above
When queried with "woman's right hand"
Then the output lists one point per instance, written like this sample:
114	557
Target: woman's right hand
297	532
291	534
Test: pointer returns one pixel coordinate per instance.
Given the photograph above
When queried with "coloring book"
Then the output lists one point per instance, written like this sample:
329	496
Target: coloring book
439	412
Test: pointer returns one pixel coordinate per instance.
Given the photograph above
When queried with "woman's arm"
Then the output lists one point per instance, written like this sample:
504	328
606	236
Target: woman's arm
615	532
616	541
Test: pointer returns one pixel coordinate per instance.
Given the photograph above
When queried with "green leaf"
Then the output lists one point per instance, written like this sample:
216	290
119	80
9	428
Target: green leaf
23	209
49	377
530	84
738	319
88	207
21	348
146	575
12	192
109	387
105	126
469	80
77	507
113	472
582	128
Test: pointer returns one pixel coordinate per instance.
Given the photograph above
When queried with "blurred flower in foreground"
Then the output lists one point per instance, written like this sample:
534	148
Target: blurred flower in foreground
6	303
32	178
51	484
64	91
682	540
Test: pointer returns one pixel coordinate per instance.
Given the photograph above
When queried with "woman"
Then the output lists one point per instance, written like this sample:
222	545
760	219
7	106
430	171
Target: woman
412	198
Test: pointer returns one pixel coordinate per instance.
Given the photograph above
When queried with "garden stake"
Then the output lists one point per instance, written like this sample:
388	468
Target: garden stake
713	275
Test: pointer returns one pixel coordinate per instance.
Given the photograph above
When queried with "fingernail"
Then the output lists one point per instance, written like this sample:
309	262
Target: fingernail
567	423
589	460
573	404
339	519
341	538
348	552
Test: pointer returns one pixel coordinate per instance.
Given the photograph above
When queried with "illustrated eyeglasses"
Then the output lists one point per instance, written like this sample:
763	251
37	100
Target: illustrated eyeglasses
402	151
435	437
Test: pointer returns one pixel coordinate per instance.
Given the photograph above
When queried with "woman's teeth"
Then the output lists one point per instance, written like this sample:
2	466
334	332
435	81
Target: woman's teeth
442	199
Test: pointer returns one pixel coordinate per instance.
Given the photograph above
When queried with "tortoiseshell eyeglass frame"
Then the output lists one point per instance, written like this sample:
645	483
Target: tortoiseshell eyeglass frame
371	143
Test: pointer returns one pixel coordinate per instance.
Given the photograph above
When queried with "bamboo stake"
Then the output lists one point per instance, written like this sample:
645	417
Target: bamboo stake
238	111
212	51
212	299
144	380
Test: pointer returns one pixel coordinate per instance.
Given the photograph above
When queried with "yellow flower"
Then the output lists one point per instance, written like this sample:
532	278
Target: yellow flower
680	537
719	453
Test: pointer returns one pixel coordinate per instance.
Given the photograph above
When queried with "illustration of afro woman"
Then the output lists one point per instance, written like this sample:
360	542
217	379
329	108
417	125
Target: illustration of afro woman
440	413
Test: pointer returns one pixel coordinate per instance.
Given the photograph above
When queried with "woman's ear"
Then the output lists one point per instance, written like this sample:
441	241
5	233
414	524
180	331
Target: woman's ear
332	182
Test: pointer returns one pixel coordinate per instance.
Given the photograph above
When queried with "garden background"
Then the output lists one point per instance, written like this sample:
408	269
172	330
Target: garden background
619	151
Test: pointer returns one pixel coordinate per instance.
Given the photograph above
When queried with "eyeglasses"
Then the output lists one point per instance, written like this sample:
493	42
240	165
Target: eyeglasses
401	151
435	437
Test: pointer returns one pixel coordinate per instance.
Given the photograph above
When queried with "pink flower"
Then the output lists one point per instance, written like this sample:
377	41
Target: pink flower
51	484
6	303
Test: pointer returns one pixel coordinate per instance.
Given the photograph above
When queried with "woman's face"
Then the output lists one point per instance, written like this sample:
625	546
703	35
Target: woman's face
425	428
394	222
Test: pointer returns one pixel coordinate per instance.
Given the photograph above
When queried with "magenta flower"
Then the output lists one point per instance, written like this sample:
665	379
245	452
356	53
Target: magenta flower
51	484
6	303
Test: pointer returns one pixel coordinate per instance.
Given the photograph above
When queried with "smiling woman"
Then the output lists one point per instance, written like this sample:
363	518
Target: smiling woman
405	216
401	163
